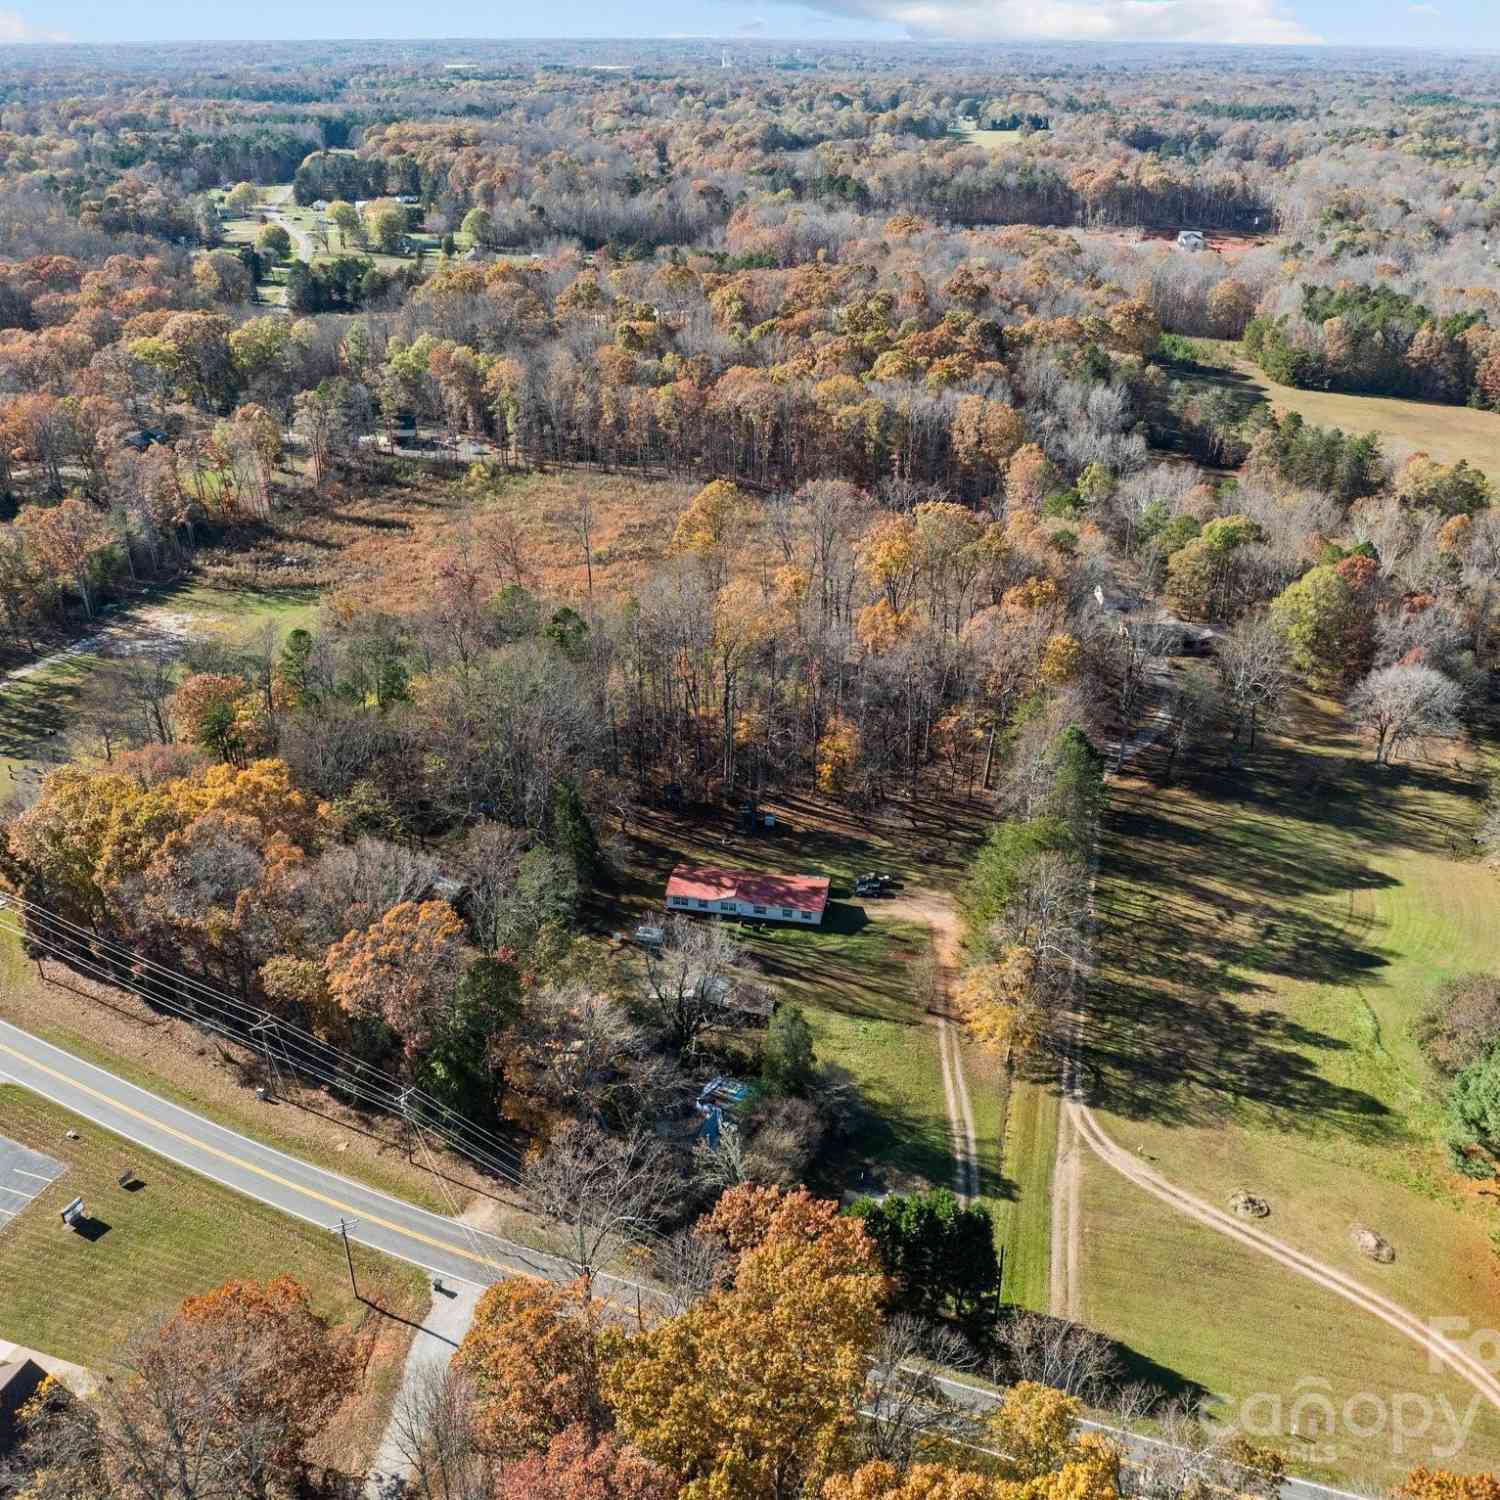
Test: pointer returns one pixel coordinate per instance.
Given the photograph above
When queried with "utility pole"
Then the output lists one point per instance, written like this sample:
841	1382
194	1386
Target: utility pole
343	1227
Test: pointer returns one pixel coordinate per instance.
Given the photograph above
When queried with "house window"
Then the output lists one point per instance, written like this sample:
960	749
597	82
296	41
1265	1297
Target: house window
760	911
805	915
726	906
786	911
703	906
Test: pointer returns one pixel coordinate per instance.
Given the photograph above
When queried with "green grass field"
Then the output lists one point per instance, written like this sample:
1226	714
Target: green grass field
1267	937
178	1234
1207	1318
37	710
1024	1216
1446	433
991	139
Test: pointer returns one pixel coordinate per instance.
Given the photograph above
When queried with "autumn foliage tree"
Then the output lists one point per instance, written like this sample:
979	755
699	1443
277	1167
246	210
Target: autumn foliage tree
401	970
754	1390
533	1354
223	1399
1443	1484
578	1465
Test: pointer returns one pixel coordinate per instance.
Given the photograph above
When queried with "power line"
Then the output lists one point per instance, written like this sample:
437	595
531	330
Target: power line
303	1054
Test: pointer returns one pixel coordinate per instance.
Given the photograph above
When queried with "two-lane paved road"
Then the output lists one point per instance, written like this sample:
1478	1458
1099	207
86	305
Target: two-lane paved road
439	1245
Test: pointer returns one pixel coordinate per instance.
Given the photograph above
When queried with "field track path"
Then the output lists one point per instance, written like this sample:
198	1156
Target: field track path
1080	1128
936	909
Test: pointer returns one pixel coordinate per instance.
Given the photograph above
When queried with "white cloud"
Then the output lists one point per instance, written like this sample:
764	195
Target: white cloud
758	24
14	27
1223	21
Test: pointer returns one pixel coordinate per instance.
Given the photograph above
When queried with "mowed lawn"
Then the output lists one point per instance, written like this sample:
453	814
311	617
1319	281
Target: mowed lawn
1267	937
1446	433
178	1234
991	139
1024	1213
1200	1314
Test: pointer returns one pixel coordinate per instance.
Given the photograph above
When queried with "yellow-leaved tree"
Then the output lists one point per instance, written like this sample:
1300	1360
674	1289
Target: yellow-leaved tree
1042	1456
838	756
753	1392
999	1003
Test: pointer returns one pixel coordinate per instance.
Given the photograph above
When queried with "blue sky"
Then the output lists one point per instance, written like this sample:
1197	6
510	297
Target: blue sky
1466	24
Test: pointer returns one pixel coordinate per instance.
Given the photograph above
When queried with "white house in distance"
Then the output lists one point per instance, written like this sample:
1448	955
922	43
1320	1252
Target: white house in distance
1192	239
739	893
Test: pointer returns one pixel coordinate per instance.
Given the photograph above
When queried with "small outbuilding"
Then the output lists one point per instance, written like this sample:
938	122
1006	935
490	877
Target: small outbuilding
1192	239
709	889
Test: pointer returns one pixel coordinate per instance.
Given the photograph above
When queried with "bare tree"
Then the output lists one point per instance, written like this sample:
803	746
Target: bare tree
725	1164
1251	660
581	519
490	860
578	1053
690	983
607	1191
1193	1458
145	684
1193	714
1053	1351
1049	912
432	1430
907	1405
1399	703
688	1266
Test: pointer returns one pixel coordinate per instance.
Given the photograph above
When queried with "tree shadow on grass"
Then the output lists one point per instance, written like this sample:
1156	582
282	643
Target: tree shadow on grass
883	1148
36	709
1203	906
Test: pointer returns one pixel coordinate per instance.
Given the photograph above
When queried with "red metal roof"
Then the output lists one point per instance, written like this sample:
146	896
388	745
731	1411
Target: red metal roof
711	883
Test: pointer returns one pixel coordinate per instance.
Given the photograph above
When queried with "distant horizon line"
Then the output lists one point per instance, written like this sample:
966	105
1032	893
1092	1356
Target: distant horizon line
740	40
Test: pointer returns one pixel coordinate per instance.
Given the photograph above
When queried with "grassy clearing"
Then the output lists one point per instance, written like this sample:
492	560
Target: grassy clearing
1267	937
1446	433
38	709
179	1234
991	139
1024	1217
1015	1122
1204	1315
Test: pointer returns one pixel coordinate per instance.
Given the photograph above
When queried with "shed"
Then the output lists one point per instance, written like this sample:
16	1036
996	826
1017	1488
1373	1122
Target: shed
1192	239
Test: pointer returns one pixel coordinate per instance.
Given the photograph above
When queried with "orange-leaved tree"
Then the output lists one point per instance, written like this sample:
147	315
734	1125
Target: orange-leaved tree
231	1389
401	970
581	1466
533	1355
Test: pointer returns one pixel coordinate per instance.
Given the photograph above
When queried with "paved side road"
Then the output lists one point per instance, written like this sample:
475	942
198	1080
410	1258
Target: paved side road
444	1247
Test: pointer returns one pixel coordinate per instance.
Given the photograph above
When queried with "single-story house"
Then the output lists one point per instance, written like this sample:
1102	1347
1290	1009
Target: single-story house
739	893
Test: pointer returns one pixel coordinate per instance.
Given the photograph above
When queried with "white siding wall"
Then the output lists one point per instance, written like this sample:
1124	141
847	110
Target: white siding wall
743	909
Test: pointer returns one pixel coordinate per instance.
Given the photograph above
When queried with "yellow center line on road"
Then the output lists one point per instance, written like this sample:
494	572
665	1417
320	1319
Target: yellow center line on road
249	1166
